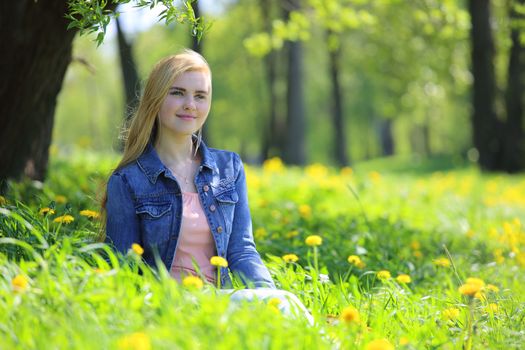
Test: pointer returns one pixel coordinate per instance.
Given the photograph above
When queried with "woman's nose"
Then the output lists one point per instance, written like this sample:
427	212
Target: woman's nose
189	103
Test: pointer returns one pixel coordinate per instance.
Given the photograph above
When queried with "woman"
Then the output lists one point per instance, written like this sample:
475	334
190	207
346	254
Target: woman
179	199
171	193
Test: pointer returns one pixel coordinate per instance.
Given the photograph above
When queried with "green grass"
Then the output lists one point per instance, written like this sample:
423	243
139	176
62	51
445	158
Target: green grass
81	296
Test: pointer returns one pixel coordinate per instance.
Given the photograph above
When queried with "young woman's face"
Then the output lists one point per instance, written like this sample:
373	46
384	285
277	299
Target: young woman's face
187	104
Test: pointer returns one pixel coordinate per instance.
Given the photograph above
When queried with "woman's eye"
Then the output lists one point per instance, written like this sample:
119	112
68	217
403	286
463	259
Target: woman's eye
176	93
200	97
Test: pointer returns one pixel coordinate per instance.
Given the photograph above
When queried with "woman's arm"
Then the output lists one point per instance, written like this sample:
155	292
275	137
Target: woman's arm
242	256
122	226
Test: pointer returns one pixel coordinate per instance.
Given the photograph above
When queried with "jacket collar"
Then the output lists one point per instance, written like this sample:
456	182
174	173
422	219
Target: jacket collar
150	163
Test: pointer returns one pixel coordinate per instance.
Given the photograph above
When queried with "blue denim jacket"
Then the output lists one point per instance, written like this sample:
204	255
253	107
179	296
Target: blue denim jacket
144	206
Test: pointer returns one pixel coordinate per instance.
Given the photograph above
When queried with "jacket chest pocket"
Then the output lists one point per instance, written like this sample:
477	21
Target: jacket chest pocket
156	224
227	201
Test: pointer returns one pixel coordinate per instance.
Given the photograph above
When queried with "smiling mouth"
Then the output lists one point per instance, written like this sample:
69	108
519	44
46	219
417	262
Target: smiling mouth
185	116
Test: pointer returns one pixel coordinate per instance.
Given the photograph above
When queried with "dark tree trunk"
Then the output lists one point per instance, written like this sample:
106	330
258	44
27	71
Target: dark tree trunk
386	137
272	139
129	71
294	152
36	50
514	152
197	46
339	142
485	126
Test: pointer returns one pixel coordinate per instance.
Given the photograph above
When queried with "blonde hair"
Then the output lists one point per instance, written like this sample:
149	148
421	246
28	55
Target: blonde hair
144	124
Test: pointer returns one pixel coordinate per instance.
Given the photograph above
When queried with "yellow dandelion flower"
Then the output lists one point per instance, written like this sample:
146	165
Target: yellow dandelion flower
384	275
380	344
46	211
481	296
134	341
260	233
137	249
361	265
192	282
418	254
403	278
415	245
218	261
89	214
470	233
290	258
60	199
477	281
441	262
292	234
273	165
350	315
19	283
346	171
450	314
313	240
472	286
3	201
492	288
305	211
404	341
274	302
64	219
354	260
493	307
374	176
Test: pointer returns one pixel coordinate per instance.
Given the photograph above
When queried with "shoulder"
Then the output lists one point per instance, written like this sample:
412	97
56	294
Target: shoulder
128	176
224	158
227	164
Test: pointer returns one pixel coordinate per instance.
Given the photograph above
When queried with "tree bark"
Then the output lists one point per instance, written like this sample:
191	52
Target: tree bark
339	142
129	71
514	150
271	138
294	152
36	50
485	126
197	46
386	137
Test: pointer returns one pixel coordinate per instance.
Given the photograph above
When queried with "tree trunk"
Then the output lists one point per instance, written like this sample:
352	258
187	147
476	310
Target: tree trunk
197	46
514	152
129	71
386	137
294	152
271	138
485	126
36	50
339	142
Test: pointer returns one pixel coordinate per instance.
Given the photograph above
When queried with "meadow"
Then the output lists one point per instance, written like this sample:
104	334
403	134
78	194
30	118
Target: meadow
387	254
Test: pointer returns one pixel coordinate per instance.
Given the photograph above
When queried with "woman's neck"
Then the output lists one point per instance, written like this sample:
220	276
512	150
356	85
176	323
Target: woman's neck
173	152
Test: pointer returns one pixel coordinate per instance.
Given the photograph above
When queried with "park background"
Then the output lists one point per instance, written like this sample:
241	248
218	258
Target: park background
383	142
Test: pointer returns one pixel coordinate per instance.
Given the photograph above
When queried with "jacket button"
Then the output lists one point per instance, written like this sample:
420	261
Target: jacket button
212	207
219	229
206	188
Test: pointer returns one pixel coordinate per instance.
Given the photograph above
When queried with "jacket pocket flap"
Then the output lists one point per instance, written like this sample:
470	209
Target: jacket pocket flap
230	196
153	210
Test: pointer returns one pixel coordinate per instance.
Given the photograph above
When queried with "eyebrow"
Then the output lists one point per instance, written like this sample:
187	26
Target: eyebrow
184	90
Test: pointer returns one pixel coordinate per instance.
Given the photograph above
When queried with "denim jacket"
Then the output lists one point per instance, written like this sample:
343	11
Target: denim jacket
144	206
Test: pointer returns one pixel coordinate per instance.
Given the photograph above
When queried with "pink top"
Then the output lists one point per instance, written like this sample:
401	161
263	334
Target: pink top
195	242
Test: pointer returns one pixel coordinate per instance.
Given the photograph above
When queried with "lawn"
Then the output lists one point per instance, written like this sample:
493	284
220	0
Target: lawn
387	254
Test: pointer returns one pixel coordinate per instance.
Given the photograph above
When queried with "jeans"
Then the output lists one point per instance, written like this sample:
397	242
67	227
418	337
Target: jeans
289	304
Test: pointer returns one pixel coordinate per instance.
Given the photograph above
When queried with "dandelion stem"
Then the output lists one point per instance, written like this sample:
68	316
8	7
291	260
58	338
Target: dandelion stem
452	263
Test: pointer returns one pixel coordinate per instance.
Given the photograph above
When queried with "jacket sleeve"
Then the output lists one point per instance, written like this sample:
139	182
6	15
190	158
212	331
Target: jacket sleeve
122	226
243	258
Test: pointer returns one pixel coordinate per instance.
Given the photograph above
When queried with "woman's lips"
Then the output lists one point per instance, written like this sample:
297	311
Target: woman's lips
185	117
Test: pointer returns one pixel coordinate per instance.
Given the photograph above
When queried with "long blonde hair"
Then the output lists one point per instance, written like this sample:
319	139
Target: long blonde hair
144	124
